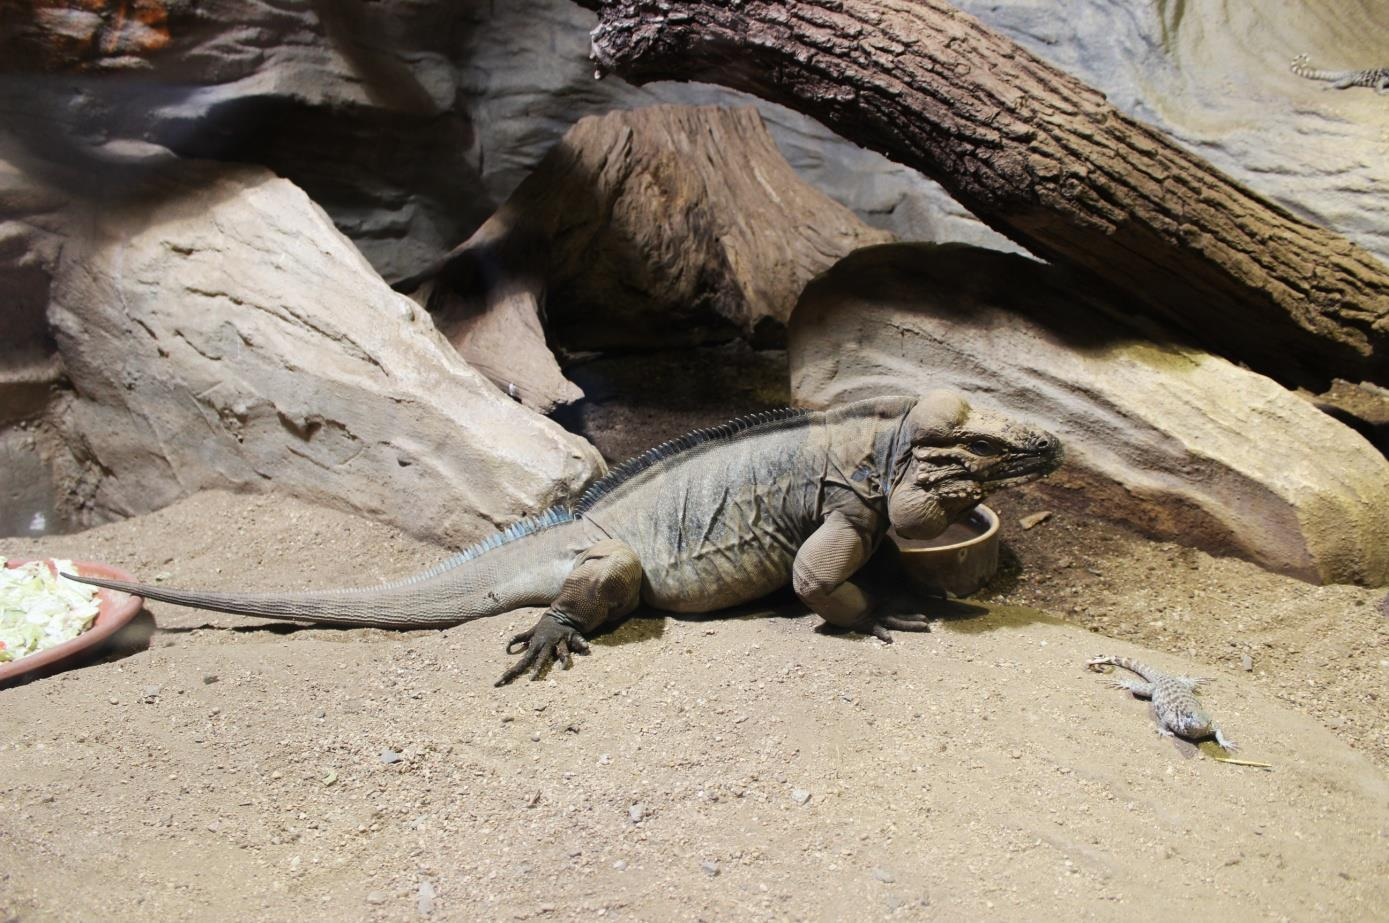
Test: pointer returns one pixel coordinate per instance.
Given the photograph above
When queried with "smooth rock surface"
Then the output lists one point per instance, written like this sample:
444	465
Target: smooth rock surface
220	332
1172	440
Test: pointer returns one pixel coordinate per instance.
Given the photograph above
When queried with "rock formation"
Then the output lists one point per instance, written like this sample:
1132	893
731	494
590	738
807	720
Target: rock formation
218	331
407	122
1161	436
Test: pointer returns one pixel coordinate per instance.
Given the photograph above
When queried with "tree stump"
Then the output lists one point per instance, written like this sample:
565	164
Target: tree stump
661	227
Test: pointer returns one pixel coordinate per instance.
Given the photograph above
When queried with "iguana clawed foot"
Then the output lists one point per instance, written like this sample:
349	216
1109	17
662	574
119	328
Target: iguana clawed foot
880	625
550	640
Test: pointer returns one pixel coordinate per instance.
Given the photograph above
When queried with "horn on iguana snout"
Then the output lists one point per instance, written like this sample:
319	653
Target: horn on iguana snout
936	416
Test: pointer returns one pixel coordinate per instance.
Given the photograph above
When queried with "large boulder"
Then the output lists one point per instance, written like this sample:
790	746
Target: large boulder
218	331
1179	443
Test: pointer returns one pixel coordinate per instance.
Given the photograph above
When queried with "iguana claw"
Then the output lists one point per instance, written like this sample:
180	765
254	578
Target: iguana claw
550	640
905	622
879	627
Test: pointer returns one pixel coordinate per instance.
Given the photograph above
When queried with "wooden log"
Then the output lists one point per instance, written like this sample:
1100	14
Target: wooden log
662	227
1040	157
487	297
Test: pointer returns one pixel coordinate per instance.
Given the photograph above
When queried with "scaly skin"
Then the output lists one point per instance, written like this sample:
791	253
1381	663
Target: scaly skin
1175	706
714	519
1376	77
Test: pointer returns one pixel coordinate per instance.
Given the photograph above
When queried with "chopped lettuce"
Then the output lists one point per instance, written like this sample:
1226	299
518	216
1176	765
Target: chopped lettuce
39	609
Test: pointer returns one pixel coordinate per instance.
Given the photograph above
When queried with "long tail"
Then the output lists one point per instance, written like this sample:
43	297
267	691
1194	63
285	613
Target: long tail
1127	663
497	576
1300	67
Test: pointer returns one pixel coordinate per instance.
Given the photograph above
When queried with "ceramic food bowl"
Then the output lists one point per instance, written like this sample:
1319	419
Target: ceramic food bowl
114	610
960	560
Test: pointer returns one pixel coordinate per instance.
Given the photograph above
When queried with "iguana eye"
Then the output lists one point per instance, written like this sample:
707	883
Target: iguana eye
982	447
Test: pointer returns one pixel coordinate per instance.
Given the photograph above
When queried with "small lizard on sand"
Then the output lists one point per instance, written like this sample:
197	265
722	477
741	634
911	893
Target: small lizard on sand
1175	706
1376	77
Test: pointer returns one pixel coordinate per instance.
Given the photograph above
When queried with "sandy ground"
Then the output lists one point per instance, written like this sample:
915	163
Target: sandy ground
739	767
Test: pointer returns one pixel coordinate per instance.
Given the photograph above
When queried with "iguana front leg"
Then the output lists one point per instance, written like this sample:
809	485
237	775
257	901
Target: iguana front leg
820	576
605	583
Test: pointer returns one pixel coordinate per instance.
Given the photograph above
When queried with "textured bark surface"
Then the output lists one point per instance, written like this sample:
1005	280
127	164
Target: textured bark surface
1040	157
659	227
494	321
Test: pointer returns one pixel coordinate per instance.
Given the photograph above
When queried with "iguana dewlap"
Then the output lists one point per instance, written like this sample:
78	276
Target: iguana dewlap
713	519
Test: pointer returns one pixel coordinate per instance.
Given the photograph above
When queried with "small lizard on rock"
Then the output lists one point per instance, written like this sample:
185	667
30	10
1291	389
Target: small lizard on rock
1376	77
717	518
1175	706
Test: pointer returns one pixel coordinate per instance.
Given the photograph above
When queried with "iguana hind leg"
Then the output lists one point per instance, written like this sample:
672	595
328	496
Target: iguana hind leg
604	584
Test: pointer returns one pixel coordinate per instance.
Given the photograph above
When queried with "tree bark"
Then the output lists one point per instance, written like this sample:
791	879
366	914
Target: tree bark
661	227
1040	157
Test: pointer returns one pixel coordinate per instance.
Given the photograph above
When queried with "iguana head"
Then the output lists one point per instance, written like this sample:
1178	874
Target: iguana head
960	454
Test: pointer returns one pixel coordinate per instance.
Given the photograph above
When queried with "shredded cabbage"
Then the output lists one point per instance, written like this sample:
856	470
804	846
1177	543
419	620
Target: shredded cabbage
39	609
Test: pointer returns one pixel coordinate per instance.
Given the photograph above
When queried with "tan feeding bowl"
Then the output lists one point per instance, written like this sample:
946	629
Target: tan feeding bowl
960	560
114	610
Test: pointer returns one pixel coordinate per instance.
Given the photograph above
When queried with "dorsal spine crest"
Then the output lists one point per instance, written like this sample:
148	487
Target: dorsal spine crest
620	474
616	476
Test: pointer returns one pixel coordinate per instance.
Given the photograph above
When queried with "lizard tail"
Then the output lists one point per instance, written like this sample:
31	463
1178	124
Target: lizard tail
342	607
1127	663
1300	67
489	579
